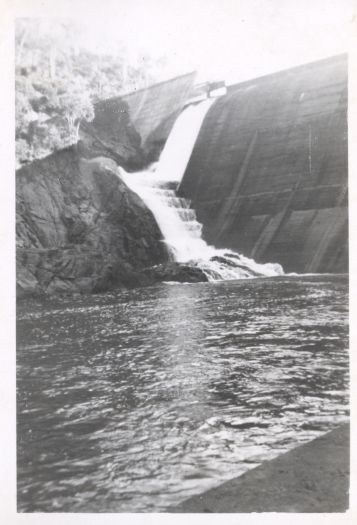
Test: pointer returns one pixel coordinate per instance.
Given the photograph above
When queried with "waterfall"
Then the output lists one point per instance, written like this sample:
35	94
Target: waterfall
176	218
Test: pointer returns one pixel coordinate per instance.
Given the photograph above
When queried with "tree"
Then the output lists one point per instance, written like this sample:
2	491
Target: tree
58	81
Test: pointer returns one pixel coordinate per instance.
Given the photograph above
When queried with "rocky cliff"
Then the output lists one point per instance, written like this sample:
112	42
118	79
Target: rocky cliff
80	228
268	173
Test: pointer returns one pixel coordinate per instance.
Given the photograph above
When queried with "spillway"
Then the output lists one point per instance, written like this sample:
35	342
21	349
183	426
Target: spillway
176	218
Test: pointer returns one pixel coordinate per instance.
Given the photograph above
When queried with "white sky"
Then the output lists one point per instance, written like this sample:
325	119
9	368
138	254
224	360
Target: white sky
221	39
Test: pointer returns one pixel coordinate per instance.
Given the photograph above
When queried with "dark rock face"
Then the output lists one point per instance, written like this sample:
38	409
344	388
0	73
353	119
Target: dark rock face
80	228
113	135
268	173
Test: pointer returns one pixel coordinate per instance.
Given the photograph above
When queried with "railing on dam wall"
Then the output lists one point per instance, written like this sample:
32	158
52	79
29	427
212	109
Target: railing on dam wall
207	90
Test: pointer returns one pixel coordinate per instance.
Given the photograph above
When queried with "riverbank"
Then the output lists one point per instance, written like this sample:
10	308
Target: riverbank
310	478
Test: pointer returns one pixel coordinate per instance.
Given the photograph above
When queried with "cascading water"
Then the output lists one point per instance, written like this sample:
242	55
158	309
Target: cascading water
174	215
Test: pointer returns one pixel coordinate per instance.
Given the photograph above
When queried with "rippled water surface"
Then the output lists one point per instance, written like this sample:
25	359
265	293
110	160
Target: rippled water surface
134	400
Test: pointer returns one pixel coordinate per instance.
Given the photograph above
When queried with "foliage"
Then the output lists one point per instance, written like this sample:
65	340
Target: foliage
58	80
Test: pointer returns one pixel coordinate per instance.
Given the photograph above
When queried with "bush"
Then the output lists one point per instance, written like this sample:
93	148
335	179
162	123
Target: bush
58	82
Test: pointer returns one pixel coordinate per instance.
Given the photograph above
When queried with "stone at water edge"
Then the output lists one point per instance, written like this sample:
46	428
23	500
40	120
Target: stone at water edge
179	272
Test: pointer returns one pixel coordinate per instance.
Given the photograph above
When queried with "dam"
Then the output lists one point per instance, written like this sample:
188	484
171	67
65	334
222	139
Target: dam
182	282
267	178
161	348
268	173
175	216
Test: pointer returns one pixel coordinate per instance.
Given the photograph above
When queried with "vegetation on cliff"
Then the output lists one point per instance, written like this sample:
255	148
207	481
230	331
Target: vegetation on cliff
59	79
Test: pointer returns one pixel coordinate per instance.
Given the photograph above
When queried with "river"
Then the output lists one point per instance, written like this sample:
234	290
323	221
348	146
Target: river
133	400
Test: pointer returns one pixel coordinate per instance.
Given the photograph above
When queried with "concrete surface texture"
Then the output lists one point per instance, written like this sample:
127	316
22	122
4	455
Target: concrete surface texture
310	478
268	174
132	129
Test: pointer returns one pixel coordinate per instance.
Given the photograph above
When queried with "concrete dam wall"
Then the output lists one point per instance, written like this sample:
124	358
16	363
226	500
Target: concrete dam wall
132	129
268	173
267	177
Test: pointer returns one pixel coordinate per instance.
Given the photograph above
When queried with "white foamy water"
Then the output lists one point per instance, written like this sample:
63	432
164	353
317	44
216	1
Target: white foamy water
176	218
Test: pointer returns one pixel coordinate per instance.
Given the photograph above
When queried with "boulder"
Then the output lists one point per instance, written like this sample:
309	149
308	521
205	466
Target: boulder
178	272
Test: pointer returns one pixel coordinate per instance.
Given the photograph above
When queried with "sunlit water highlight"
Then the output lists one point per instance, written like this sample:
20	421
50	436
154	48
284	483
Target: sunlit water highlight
134	400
